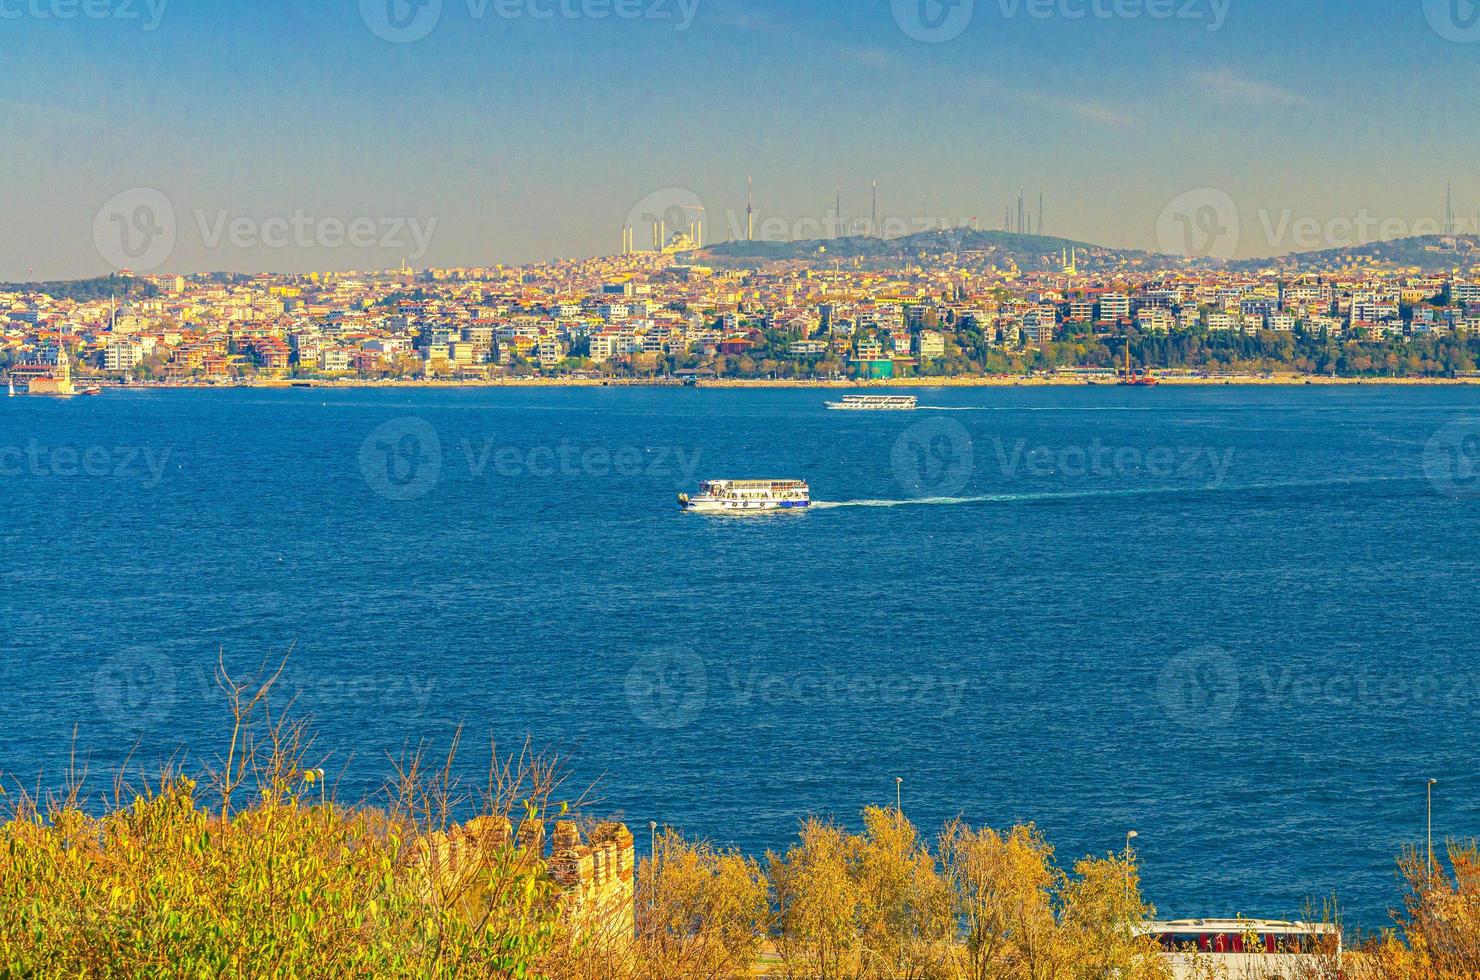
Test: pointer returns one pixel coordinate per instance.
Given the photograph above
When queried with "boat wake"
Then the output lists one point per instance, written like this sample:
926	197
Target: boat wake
918	502
1032	408
1018	498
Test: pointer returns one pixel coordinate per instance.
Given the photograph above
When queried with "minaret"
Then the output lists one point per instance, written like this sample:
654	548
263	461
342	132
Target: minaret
64	364
874	226
749	209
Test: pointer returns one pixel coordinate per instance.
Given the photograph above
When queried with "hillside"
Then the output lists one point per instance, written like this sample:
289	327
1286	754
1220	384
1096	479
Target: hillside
957	246
1033	253
1425	253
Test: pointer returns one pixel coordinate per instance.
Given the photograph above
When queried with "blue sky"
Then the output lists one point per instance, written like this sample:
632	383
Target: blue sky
515	138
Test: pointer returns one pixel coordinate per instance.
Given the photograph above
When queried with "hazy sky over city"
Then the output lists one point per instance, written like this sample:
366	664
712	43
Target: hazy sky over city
264	135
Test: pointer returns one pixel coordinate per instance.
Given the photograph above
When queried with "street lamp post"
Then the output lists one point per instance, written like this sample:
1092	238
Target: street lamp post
1431	829
653	862
1130	836
899	793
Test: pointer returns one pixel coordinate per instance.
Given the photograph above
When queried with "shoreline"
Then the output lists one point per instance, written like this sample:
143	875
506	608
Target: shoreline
1291	380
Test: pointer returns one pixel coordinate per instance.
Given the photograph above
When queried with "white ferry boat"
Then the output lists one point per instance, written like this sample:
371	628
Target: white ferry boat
747	496
876	403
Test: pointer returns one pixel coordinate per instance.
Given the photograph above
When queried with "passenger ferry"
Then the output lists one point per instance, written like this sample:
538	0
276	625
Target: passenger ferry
876	403
747	497
1246	947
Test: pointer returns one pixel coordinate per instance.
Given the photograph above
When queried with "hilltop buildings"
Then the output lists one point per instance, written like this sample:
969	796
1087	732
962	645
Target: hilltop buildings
656	313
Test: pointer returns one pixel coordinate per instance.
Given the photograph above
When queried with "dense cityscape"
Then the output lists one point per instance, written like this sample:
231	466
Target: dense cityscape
973	311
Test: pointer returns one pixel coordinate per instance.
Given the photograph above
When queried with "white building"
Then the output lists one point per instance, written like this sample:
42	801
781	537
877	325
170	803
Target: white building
1114	306
122	356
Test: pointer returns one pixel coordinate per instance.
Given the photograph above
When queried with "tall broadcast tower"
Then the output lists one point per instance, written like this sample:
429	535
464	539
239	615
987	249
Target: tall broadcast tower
874	219
749	209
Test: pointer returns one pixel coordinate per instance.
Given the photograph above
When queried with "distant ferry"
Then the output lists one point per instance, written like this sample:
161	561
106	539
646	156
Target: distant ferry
876	403
747	496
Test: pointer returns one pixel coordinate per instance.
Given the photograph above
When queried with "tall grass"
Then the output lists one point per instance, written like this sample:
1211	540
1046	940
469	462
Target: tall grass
251	868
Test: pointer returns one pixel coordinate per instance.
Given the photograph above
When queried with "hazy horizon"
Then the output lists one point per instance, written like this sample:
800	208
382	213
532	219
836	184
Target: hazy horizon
267	137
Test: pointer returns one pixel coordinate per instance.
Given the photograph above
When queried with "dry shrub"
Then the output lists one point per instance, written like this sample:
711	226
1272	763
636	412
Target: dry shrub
1438	928
263	874
701	912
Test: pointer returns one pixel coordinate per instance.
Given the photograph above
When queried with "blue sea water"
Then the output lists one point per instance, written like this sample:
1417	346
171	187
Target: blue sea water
1238	621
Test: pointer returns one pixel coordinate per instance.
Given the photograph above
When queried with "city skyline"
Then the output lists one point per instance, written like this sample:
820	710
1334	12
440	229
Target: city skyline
572	120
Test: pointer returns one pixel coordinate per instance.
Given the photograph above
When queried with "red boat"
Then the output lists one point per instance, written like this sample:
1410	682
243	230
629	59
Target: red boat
1143	379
